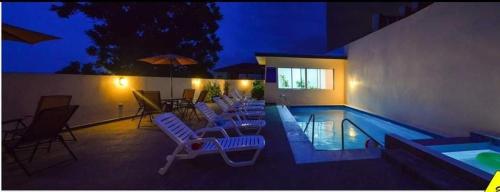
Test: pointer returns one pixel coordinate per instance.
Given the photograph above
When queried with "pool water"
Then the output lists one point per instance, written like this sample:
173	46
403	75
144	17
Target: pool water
327	134
468	154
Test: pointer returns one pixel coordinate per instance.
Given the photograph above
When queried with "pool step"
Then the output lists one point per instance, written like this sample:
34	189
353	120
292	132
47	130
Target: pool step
432	174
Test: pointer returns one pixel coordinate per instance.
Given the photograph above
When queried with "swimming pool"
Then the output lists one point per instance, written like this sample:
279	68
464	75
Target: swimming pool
484	156
328	127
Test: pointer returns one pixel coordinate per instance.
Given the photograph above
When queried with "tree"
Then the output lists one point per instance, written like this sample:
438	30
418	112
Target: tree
126	31
72	68
75	67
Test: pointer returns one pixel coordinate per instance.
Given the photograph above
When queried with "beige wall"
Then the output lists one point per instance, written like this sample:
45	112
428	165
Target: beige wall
438	69
98	96
333	96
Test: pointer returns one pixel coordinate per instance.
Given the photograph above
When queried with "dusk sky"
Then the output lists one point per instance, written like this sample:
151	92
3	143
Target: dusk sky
245	29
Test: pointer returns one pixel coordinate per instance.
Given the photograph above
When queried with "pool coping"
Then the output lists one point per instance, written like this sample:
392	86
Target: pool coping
434	135
455	166
303	150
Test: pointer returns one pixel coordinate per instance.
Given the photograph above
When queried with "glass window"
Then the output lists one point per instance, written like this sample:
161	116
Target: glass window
284	78
312	79
302	78
299	78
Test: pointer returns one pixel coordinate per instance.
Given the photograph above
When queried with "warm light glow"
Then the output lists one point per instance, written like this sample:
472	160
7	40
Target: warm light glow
353	83
121	82
196	82
244	83
351	132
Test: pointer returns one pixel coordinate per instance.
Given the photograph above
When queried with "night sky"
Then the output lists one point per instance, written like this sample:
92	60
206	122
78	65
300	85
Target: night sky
245	29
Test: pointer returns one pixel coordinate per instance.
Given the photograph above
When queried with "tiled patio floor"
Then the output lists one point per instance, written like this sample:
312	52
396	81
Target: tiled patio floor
119	156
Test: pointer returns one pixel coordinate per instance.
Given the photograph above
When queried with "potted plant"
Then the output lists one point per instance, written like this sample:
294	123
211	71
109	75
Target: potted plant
258	90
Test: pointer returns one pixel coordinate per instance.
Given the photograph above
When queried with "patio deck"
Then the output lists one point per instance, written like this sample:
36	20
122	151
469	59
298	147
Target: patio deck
119	156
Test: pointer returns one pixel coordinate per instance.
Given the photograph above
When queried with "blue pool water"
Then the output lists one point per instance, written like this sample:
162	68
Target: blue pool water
468	154
328	127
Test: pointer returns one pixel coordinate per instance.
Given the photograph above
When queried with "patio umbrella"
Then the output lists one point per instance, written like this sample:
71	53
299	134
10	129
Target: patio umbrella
14	33
169	59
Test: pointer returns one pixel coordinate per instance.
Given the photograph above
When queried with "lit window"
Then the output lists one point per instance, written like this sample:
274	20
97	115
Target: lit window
305	78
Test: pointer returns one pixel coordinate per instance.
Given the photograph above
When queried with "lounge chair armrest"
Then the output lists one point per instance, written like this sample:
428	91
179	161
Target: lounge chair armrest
212	129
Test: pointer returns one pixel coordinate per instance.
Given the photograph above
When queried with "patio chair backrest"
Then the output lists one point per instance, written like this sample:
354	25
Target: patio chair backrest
48	123
152	101
138	97
228	100
173	127
206	111
51	101
234	95
188	94
238	93
202	96
221	104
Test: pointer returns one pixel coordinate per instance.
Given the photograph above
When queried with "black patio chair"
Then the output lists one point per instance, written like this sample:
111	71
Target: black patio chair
45	102
45	128
152	105
187	100
138	97
191	106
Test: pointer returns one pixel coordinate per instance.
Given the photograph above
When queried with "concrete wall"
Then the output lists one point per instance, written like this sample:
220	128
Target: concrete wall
438	69
98	96
333	96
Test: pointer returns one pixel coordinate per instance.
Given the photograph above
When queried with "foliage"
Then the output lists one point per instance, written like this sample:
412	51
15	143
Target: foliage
258	90
213	89
226	87
126	31
76	67
301	84
284	81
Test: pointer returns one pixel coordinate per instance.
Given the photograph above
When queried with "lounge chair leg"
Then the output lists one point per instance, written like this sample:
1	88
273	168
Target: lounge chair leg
70	132
33	152
11	152
170	159
140	119
136	113
67	147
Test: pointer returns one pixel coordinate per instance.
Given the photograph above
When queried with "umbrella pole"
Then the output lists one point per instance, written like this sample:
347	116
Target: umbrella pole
171	88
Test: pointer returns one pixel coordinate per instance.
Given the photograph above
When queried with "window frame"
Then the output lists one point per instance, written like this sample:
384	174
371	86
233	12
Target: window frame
306	87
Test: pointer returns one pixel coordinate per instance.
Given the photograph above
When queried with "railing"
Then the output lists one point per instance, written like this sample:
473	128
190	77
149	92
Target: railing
342	132
313	118
284	100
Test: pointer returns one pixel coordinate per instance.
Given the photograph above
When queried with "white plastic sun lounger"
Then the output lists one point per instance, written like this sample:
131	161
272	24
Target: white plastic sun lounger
246	101
240	111
190	144
234	104
231	120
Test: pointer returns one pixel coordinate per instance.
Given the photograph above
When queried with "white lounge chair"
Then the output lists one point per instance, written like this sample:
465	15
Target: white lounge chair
231	120
240	111
237	104
190	144
246	101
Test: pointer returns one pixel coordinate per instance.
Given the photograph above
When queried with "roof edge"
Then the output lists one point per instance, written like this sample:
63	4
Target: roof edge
261	54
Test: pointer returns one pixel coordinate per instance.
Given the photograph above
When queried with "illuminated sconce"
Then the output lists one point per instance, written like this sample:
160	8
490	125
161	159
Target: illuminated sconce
196	82
351	132
353	83
244	83
121	82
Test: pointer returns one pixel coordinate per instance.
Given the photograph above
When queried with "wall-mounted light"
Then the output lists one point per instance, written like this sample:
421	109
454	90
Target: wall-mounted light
196	82
353	83
244	82
121	82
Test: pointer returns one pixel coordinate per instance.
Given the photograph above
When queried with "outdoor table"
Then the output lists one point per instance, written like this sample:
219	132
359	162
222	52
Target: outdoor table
174	102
